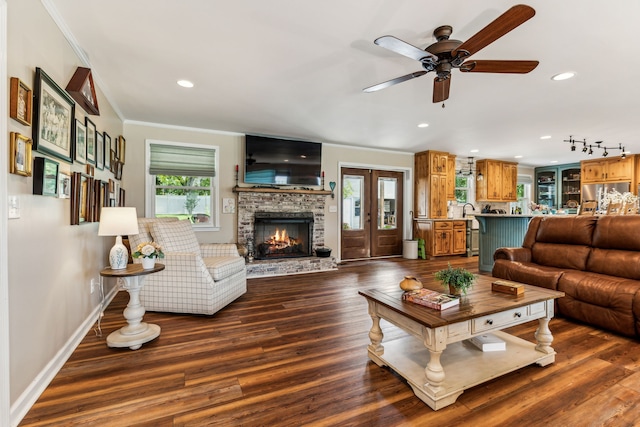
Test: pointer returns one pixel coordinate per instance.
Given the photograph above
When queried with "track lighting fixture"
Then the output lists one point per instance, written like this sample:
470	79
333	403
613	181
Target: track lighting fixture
598	144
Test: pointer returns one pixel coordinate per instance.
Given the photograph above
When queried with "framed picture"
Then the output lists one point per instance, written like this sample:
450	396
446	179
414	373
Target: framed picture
20	154
81	198
107	151
80	142
53	118
105	193
64	185
45	177
91	170
20	101
122	148
91	147
121	198
99	141
82	89
96	202
118	170
92	142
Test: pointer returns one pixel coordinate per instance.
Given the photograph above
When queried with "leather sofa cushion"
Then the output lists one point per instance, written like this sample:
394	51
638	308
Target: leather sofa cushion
618	232
526	272
221	267
576	230
600	300
615	262
560	255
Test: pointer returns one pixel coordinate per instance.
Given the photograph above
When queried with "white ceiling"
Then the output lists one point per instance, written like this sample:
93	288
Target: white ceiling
297	68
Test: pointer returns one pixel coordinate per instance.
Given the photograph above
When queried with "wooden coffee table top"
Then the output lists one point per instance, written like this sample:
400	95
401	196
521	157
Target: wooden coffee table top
479	301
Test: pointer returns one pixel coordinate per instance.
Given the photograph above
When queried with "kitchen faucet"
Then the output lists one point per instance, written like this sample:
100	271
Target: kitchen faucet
464	206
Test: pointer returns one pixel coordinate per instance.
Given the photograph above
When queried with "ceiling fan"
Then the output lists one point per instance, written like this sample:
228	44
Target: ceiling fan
446	54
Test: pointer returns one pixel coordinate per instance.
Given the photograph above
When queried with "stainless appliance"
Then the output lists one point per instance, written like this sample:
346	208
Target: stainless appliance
594	192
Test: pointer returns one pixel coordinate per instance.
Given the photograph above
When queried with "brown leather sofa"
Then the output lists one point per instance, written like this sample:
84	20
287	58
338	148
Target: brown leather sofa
594	260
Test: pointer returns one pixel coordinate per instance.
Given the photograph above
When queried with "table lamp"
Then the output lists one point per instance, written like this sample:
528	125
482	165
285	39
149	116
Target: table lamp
118	222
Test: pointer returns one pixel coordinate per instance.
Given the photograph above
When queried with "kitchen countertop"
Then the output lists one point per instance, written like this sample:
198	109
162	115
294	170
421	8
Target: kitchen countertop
505	215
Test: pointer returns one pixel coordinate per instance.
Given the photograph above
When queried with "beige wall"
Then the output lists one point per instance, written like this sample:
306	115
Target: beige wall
51	262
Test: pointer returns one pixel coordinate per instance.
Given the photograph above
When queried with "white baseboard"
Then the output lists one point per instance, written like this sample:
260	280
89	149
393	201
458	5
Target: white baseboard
29	397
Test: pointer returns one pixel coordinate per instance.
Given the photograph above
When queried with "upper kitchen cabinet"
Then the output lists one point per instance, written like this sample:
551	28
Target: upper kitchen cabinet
611	169
499	181
431	184
558	187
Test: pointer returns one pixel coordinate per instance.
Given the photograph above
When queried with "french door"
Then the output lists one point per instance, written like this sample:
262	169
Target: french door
372	212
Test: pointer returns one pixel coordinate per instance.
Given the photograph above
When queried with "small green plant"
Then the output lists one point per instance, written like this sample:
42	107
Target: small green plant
457	278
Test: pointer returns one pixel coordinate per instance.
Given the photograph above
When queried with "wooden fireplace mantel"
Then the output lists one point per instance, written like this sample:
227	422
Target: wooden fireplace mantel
237	189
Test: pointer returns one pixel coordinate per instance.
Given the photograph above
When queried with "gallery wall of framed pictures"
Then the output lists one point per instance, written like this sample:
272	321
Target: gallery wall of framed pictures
61	141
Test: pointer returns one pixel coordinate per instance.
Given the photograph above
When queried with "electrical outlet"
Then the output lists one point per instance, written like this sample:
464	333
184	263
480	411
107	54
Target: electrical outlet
93	285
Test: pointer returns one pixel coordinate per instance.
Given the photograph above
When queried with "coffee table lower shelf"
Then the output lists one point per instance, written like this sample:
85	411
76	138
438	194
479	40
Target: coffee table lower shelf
465	365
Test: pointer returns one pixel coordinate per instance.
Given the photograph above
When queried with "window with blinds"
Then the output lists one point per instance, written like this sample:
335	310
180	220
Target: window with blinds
182	182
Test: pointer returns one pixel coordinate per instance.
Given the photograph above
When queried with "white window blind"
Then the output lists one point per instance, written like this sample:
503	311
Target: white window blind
181	161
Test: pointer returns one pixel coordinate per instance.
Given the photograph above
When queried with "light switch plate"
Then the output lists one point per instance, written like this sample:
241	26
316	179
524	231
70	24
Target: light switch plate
333	208
14	207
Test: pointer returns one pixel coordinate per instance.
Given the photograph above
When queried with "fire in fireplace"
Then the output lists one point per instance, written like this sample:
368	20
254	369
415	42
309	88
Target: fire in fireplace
283	234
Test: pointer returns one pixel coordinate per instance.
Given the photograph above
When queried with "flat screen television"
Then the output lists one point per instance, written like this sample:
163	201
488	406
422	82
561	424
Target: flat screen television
278	161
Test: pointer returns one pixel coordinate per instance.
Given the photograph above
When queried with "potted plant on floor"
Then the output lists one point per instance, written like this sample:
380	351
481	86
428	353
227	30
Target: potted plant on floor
457	280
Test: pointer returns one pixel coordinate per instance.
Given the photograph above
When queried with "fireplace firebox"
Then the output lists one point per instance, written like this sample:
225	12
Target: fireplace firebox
283	234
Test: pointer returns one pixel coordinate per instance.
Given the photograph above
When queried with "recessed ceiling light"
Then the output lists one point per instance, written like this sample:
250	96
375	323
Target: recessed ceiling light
563	76
545	137
474	150
423	125
553	161
185	83
518	157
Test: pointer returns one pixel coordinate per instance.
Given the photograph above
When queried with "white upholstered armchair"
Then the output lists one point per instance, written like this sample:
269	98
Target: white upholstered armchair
199	278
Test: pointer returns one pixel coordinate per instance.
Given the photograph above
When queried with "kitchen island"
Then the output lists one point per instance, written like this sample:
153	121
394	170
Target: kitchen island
498	231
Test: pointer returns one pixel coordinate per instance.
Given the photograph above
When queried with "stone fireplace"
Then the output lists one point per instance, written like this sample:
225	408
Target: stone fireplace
254	202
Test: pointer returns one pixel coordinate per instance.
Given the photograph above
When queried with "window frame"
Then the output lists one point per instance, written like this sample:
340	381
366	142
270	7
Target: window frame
466	188
150	184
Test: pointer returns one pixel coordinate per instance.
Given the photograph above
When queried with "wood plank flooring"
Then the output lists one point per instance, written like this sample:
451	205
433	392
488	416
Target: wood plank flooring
292	352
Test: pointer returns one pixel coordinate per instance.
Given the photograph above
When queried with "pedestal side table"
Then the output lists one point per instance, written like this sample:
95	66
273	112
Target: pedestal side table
136	332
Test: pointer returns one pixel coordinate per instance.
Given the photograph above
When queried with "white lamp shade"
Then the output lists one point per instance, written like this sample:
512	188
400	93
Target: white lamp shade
118	221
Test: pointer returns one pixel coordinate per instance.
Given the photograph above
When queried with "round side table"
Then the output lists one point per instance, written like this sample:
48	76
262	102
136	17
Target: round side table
136	332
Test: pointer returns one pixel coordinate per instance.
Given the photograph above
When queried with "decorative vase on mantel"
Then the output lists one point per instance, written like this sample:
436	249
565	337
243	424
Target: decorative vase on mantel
148	263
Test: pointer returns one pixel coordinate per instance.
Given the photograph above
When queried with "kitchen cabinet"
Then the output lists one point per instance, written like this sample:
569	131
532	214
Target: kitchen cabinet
610	169
558	187
430	184
451	177
499	181
442	237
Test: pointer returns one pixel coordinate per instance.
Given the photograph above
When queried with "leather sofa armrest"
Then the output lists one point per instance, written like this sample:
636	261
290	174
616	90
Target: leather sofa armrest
513	254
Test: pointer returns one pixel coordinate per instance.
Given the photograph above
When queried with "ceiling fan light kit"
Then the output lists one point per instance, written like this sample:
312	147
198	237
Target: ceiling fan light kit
588	148
445	54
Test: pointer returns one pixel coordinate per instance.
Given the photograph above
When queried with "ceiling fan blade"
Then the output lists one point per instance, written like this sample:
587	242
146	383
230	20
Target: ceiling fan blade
394	81
506	22
488	66
441	89
403	48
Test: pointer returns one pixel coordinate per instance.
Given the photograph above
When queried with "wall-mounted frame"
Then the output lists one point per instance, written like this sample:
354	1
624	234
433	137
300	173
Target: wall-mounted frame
122	148
107	151
20	154
118	169
80	148
82	89
121	198
92	141
20	101
99	141
91	170
45	177
96	204
81	198
53	118
64	185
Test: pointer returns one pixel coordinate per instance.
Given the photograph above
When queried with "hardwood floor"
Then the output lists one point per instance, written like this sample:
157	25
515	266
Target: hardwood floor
292	352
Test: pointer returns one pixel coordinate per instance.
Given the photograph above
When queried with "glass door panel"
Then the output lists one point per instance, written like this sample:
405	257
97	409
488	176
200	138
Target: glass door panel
352	202
387	203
